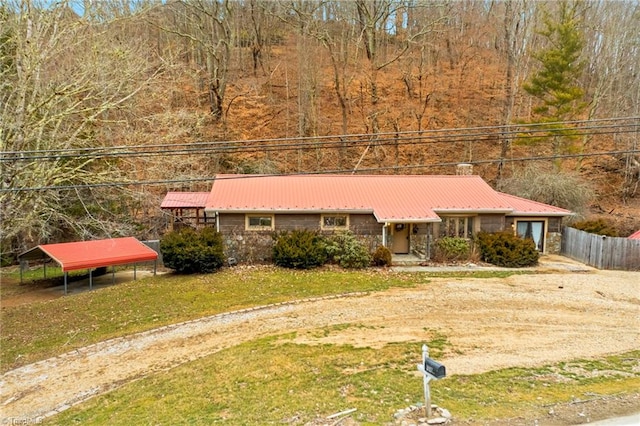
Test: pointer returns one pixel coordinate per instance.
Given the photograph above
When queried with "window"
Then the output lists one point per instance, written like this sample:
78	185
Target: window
334	221
461	227
259	222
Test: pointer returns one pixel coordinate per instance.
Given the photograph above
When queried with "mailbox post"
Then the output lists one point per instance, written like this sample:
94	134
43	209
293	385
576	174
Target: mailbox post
430	370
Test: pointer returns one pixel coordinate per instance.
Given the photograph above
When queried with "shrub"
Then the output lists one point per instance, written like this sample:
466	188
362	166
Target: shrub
299	249
598	226
188	251
382	256
506	249
345	250
452	248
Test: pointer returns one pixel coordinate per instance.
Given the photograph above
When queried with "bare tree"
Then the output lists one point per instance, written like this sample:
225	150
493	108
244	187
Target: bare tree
205	25
64	80
517	27
612	76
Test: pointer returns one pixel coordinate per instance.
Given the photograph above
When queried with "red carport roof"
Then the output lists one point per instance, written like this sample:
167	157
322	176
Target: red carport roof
92	254
635	235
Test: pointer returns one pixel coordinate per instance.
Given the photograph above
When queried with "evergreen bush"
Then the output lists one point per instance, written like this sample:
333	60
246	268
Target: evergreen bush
452	248
507	250
188	251
382	256
299	249
345	250
597	226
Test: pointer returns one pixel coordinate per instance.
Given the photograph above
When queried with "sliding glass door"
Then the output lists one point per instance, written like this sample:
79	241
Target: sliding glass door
532	229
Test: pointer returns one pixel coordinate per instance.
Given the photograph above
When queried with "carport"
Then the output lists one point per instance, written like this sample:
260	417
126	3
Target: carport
90	254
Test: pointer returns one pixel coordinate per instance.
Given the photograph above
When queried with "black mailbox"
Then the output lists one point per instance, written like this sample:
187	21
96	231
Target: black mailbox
434	368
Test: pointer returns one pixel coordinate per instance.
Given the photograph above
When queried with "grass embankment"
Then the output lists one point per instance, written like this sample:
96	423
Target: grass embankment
275	381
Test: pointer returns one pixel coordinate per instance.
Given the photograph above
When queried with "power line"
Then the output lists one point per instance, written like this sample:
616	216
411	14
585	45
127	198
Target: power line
341	171
521	132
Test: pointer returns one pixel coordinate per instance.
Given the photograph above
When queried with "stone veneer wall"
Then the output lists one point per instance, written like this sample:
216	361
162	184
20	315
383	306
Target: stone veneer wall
256	246
554	243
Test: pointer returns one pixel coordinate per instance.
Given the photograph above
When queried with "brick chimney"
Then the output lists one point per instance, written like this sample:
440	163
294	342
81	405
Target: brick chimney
464	169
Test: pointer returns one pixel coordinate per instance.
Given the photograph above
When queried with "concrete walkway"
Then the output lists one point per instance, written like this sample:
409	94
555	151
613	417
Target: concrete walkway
551	262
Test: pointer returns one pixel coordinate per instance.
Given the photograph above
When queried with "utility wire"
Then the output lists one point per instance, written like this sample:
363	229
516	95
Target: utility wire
521	132
235	149
342	171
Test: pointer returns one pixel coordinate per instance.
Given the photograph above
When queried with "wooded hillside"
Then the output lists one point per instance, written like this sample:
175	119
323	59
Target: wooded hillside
104	106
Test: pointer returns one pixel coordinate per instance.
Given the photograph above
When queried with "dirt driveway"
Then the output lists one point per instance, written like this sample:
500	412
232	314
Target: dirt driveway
523	320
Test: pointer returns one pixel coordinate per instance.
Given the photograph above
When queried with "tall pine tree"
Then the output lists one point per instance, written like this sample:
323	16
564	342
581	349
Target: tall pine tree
556	83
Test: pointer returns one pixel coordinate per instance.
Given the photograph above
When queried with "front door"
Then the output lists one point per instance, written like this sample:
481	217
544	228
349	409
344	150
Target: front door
400	238
532	229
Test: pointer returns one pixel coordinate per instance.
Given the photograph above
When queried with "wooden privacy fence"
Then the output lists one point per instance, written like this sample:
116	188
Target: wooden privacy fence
601	252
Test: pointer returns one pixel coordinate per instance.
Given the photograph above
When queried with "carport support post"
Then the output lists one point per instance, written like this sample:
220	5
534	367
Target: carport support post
134	271
90	279
66	274
113	274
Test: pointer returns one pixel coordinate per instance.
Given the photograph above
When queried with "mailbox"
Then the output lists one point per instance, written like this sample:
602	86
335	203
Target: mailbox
434	368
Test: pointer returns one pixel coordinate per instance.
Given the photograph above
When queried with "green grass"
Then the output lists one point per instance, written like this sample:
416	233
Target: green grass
43	329
529	392
33	279
273	381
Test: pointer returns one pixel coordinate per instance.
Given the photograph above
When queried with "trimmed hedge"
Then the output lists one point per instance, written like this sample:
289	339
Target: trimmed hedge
382	256
299	249
345	250
507	250
452	248
188	251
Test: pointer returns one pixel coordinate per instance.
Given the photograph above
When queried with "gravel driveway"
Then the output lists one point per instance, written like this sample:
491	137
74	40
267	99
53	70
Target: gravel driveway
522	320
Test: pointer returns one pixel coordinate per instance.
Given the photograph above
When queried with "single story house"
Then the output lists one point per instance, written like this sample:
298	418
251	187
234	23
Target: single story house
405	213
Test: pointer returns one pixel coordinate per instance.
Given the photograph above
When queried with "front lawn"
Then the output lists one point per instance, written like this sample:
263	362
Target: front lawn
276	381
43	329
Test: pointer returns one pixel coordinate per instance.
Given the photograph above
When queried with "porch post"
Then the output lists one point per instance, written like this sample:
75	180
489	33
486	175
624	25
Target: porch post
428	240
384	234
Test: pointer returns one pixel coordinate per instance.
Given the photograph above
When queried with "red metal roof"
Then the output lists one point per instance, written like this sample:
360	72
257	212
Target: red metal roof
635	235
93	254
184	200
395	198
523	206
